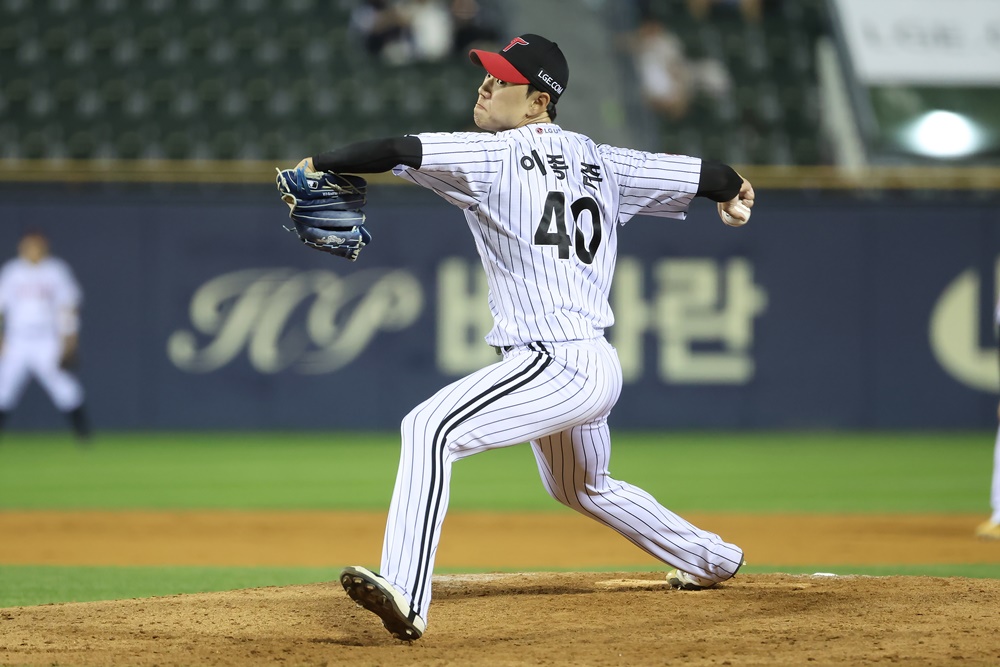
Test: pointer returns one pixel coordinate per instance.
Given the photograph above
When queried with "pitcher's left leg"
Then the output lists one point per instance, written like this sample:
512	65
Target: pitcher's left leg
482	411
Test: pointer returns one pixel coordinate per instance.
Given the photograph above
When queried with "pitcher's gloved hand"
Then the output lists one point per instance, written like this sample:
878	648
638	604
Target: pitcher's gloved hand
325	210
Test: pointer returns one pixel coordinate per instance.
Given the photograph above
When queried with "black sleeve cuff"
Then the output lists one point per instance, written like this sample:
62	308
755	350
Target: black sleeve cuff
719	182
371	157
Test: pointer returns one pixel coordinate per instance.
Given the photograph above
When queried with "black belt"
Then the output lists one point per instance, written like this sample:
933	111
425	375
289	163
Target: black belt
507	348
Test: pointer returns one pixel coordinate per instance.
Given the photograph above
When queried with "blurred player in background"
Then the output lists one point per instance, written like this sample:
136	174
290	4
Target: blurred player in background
990	530
39	310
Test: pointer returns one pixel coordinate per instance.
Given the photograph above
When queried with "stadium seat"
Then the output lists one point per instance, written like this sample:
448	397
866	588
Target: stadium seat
109	75
12	8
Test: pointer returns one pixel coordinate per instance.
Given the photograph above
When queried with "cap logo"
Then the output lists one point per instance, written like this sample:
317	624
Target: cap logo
552	83
514	42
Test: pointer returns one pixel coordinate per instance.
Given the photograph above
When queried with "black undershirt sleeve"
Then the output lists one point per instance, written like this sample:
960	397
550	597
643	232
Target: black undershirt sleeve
371	157
718	182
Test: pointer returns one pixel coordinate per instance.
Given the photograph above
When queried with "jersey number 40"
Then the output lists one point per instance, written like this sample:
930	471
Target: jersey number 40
554	216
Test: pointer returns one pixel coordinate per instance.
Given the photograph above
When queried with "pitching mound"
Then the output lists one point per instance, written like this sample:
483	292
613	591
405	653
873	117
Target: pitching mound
519	619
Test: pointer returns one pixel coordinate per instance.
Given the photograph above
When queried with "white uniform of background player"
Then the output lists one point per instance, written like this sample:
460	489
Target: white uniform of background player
543	206
991	529
39	304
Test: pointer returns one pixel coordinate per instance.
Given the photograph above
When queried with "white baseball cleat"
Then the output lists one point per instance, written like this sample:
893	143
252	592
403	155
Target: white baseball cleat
686	581
989	530
384	600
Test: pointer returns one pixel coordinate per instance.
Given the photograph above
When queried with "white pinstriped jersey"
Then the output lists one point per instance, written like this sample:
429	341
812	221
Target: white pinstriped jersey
542	204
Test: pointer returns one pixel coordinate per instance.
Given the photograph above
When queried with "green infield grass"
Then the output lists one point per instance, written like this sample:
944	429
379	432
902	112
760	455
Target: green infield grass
758	472
25	585
22	585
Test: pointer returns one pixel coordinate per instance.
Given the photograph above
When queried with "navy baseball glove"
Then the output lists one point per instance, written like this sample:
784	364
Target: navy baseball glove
326	210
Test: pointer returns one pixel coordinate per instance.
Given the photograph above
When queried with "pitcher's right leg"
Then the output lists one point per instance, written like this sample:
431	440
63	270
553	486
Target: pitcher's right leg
574	468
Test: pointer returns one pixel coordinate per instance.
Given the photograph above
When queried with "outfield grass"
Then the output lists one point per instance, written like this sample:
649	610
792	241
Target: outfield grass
755	472
732	472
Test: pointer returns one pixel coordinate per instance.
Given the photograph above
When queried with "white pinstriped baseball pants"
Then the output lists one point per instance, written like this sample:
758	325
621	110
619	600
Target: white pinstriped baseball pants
557	396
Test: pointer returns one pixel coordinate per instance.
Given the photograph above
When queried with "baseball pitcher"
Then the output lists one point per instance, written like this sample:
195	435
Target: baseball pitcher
544	206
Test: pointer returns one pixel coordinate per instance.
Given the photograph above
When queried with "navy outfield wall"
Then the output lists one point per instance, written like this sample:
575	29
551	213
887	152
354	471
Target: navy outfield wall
826	311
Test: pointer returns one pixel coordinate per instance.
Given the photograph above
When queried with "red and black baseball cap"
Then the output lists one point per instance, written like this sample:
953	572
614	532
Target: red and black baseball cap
527	59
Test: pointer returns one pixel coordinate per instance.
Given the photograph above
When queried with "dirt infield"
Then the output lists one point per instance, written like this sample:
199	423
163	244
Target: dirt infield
581	618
